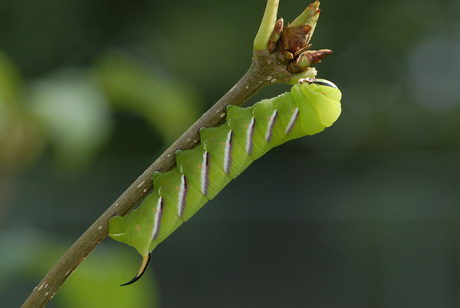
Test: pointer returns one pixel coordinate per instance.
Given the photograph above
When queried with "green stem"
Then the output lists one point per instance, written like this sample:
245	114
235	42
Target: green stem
266	26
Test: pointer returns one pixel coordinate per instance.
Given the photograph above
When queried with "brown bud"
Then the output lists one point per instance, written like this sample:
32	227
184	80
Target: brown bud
315	56
295	38
276	34
307	59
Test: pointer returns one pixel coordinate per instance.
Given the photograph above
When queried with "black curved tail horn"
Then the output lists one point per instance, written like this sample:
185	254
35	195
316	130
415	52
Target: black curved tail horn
145	262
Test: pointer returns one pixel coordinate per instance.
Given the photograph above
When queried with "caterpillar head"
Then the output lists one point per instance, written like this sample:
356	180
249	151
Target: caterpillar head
319	103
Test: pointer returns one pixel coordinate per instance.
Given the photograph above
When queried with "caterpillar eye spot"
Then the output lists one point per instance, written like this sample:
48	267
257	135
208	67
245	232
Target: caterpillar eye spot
138	227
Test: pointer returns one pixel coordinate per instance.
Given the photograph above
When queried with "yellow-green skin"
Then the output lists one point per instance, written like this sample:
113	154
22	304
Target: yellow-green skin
224	152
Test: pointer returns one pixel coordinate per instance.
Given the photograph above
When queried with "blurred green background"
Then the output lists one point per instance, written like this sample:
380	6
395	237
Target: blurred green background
365	214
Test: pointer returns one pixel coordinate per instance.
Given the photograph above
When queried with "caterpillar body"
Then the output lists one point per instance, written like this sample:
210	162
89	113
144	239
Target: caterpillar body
224	152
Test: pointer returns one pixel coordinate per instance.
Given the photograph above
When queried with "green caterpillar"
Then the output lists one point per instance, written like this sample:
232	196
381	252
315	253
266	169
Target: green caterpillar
224	152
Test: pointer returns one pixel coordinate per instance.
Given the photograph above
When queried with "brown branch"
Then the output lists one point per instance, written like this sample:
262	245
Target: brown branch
264	71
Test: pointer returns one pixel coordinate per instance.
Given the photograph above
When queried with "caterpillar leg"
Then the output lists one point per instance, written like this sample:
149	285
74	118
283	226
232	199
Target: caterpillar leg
145	262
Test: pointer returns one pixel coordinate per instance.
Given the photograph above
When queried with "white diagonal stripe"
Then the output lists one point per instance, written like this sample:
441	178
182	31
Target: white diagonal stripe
249	134
204	174
181	199
292	121
157	219
228	153
271	123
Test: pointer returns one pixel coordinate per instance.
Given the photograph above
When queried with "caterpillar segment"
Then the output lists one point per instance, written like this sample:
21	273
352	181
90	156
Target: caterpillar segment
224	152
